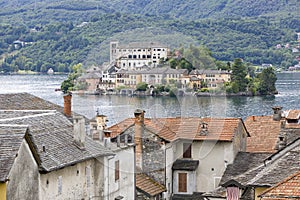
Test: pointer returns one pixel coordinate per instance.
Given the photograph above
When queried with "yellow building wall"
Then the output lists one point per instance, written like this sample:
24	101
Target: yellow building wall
2	191
258	191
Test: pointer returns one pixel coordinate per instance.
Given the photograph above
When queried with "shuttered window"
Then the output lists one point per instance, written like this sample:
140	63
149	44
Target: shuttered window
187	150
117	170
182	182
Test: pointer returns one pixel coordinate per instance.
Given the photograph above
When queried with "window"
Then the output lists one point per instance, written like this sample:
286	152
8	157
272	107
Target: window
117	170
59	185
187	150
182	182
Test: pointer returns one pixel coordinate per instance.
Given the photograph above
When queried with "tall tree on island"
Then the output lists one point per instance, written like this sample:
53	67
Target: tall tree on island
68	84
238	77
267	79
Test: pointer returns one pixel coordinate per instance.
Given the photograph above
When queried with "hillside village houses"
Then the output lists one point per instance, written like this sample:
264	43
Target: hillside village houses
139	62
215	158
49	152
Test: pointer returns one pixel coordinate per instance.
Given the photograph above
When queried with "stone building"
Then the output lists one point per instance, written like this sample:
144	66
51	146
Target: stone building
47	154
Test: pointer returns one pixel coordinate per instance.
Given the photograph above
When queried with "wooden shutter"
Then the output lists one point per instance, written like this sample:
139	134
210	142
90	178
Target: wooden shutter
182	182
117	170
187	150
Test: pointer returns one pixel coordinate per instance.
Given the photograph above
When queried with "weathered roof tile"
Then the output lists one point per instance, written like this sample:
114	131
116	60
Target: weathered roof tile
148	185
264	133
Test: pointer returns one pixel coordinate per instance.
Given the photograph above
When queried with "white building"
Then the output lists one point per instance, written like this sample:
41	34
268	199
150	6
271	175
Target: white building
135	55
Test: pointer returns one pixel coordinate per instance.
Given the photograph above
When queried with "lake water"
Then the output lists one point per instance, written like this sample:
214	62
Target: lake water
121	107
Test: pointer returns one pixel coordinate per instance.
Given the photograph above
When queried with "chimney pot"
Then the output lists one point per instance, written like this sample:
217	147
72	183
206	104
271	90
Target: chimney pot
68	105
79	131
277	113
107	138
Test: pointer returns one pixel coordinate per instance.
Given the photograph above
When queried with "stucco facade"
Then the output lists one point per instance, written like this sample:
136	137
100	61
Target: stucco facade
24	176
213	157
2	191
81	181
121	182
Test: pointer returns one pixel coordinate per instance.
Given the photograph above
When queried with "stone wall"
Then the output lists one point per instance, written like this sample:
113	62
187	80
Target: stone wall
153	157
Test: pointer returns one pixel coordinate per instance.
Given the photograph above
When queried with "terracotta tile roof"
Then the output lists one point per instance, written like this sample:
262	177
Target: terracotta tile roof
11	138
54	131
293	114
170	129
120	127
263	132
286	189
148	185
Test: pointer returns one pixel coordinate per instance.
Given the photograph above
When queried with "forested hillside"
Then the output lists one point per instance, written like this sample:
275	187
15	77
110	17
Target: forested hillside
188	9
40	34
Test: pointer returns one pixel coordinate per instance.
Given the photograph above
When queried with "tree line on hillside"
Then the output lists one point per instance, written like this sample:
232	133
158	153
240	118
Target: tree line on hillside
59	45
186	10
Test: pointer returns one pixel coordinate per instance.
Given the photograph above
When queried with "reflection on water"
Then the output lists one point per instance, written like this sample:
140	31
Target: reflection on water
120	107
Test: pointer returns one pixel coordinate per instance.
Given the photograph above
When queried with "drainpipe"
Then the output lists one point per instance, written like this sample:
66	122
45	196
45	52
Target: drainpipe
108	184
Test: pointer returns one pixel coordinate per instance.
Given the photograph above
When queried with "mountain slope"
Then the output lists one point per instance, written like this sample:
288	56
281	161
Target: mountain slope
187	10
56	37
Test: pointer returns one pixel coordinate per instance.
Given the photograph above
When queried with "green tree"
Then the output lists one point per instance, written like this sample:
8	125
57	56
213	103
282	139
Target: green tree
200	57
141	86
68	84
238	77
267	79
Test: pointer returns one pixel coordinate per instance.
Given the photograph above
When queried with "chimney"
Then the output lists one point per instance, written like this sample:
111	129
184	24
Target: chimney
79	131
281	141
101	125
277	113
107	138
68	105
138	135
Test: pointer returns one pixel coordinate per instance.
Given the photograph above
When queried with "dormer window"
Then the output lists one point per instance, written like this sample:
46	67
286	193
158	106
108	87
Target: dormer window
204	129
187	150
